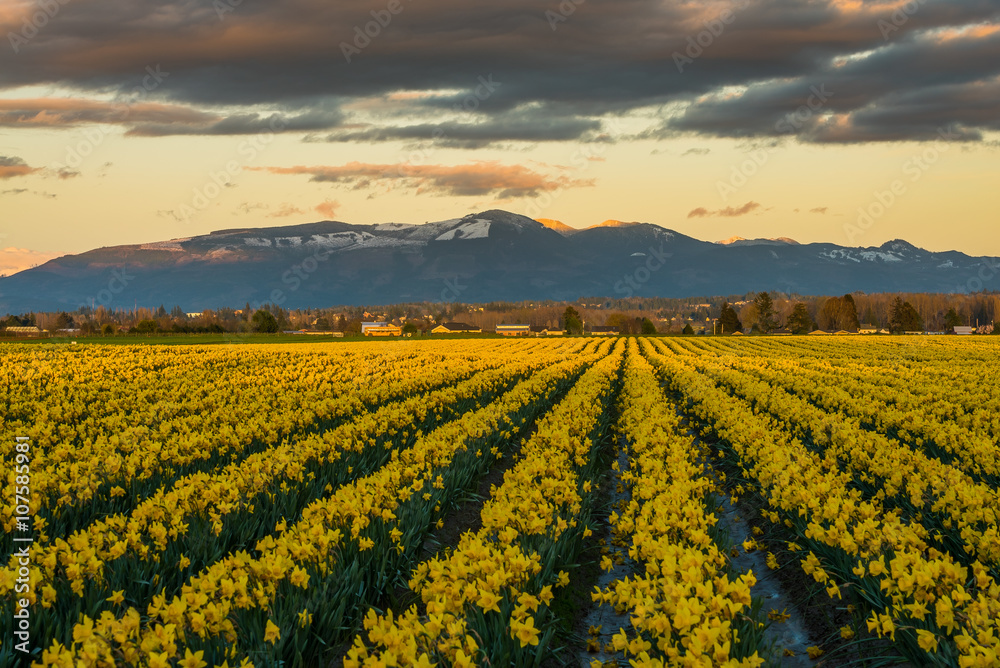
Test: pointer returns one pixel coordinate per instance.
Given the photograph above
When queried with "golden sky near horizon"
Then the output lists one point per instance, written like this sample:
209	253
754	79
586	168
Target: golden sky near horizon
715	120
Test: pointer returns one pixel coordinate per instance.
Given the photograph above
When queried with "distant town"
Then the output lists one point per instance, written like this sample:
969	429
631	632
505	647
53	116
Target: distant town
770	313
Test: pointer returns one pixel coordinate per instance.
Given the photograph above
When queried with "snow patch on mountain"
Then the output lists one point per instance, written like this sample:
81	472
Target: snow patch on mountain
392	227
172	245
871	256
336	240
477	229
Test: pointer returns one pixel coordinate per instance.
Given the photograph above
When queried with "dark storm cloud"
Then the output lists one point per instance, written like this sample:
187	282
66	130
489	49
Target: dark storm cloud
606	58
914	90
531	126
156	119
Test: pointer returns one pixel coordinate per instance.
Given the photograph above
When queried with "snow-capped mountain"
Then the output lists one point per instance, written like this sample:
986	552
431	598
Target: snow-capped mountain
492	255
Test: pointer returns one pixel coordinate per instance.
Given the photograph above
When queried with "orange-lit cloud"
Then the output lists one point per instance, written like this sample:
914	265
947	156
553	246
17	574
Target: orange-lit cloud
728	212
70	112
155	119
475	179
328	208
12	166
285	210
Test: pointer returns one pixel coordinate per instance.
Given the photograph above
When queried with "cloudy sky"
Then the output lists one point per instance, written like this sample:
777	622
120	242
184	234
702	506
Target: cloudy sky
849	121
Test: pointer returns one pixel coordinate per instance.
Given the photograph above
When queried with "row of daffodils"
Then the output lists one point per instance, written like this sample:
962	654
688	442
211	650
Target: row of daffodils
487	602
118	423
683	607
292	505
935	609
184	527
301	587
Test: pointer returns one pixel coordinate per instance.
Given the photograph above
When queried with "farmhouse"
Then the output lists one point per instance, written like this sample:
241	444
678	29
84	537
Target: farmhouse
963	330
456	328
868	328
604	330
514	330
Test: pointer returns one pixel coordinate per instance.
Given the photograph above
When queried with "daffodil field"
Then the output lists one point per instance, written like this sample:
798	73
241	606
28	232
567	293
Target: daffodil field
471	502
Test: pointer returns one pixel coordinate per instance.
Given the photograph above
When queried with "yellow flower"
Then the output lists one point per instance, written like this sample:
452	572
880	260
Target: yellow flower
814	652
423	661
299	578
117	597
273	633
159	660
488	601
846	632
525	632
192	660
927	640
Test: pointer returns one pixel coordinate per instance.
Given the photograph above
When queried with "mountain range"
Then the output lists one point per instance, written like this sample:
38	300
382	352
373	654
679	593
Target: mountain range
489	256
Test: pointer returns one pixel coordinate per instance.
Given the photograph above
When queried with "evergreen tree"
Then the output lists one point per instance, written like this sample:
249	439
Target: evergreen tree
896	316
766	319
64	321
688	330
648	328
904	317
264	322
729	322
952	320
848	313
799	321
571	321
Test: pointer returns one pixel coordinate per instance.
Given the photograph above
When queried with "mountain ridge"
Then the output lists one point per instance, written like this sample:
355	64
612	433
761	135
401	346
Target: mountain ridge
487	256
